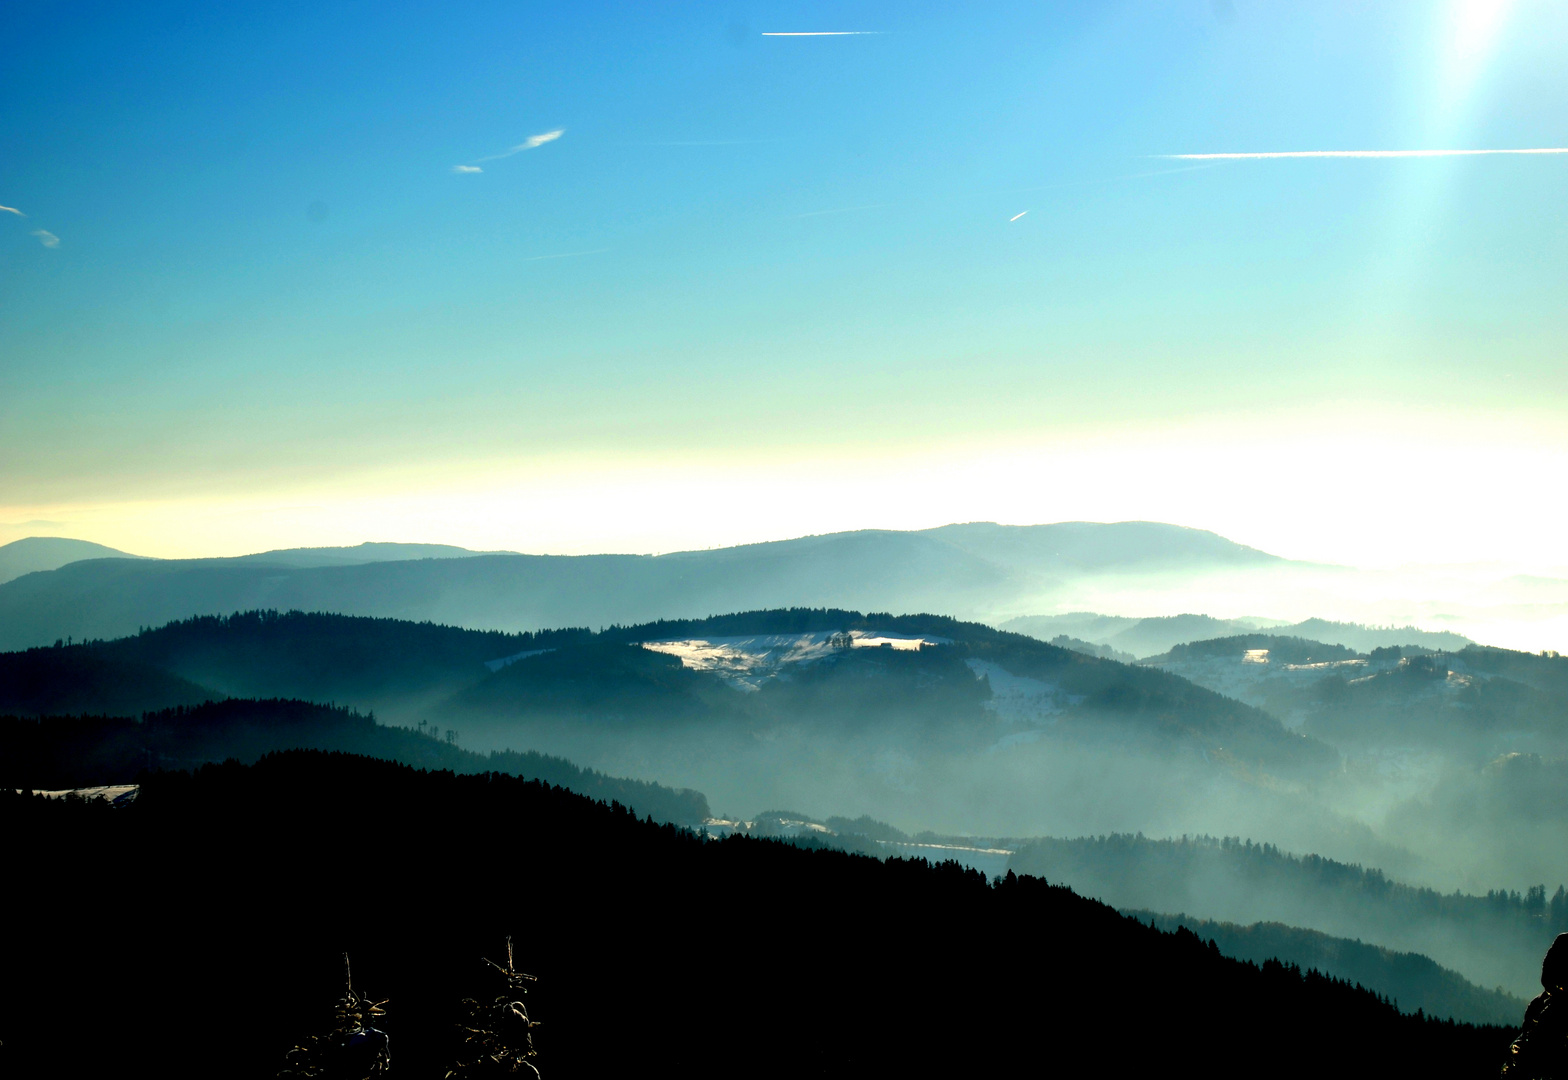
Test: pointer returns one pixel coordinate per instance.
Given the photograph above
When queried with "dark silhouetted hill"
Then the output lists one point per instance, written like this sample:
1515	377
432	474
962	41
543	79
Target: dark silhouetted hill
85	679
219	903
371	663
51	753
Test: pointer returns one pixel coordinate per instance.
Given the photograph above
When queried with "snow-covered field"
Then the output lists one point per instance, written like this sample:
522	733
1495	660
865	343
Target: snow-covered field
1019	700
118	794
989	861
748	662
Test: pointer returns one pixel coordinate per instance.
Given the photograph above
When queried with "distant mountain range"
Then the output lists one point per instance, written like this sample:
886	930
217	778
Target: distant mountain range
1151	636
968	570
358	555
35	553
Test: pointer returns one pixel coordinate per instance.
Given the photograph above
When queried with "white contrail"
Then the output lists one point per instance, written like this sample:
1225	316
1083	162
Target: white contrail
47	238
12	210
819	33
1362	154
466	169
1015	217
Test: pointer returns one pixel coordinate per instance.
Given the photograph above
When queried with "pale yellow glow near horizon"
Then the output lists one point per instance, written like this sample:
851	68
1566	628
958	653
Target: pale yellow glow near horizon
1363	489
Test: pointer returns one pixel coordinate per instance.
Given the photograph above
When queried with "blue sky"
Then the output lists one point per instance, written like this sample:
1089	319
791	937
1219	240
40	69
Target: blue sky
770	283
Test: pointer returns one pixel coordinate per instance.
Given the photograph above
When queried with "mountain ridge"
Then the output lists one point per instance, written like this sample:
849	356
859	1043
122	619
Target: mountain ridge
32	554
966	569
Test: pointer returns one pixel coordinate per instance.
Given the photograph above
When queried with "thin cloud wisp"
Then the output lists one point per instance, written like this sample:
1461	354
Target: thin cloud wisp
530	143
1360	154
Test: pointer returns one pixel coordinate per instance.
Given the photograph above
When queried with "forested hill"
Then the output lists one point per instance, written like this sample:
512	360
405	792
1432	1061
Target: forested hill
72	752
235	889
1280	649
1496	939
1471	705
1414	982
483	679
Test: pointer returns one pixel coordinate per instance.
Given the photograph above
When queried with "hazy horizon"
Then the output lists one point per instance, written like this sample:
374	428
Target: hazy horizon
1492	603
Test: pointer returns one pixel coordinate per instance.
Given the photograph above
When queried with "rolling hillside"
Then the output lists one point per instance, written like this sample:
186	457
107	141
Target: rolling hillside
926	680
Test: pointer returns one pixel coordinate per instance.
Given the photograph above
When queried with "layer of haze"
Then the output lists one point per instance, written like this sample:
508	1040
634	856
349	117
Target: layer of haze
711	286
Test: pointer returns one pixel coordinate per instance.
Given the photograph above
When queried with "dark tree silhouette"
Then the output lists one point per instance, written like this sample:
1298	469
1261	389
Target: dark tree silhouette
354	1048
498	1035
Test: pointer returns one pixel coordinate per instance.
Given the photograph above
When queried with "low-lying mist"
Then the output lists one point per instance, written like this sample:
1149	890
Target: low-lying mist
1045	786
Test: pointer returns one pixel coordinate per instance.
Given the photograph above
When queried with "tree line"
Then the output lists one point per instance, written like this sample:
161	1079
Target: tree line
197	931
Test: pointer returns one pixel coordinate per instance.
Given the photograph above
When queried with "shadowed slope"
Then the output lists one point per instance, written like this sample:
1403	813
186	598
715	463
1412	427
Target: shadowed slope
1414	982
816	962
57	752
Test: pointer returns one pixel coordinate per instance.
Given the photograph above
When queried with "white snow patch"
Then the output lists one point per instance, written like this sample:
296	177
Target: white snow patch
1019	700
989	861
895	641
748	662
1326	665
117	794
